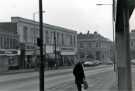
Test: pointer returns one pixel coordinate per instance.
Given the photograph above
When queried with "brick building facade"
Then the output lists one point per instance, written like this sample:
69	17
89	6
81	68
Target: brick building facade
132	44
94	47
8	46
27	32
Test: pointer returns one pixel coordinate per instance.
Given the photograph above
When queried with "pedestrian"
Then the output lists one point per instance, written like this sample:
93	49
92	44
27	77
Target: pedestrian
78	72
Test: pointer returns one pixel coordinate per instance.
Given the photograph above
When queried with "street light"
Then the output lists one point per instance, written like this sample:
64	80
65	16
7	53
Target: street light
103	4
41	71
113	26
34	15
35	38
113	19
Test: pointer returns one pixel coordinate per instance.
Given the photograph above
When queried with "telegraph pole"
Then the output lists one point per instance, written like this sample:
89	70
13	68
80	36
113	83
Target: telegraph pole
55	48
122	46
41	72
113	26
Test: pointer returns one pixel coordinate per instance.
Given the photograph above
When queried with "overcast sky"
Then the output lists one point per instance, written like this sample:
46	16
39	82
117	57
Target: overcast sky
79	15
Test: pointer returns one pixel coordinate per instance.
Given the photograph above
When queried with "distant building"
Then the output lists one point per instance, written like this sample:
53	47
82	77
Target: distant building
132	44
8	46
94	47
27	32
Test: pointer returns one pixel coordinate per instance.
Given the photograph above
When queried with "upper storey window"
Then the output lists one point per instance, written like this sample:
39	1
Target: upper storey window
25	34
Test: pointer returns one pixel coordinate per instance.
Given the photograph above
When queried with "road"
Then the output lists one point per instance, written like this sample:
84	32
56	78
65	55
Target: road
101	78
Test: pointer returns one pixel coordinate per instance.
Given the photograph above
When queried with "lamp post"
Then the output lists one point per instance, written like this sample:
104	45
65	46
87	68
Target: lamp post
104	4
113	26
35	38
41	72
55	48
34	15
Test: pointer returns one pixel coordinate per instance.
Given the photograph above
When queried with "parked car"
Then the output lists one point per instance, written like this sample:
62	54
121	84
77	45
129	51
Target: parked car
97	62
133	61
109	62
88	63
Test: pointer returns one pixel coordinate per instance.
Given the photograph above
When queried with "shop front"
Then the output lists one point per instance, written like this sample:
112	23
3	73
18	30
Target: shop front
30	59
9	59
68	58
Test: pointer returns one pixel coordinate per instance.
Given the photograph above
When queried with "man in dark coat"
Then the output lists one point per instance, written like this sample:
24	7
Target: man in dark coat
78	72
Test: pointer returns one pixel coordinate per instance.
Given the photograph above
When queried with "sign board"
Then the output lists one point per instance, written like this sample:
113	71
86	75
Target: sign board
68	53
49	49
67	49
9	52
30	52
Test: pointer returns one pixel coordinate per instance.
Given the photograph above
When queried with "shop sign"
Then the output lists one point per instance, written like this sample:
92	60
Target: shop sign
67	49
9	52
68	53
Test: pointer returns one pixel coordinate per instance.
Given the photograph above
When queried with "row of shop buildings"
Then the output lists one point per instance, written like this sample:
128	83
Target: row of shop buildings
93	46
18	44
62	46
96	47
132	44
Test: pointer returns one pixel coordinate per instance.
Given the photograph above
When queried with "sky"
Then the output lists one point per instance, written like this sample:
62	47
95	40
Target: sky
78	15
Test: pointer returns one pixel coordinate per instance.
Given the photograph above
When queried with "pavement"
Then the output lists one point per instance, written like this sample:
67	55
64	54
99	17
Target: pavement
27	74
115	86
57	80
93	80
10	72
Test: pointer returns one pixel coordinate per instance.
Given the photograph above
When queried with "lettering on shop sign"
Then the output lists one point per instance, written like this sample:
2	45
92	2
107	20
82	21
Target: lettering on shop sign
8	52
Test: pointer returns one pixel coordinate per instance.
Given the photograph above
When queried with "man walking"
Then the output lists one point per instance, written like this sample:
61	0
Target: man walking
78	72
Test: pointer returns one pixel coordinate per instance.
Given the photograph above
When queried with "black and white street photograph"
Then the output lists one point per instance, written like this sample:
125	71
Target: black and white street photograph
67	45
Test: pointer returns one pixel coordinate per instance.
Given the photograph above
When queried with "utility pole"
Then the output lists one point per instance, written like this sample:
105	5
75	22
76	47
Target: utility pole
35	48
55	48
113	26
122	46
41	72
